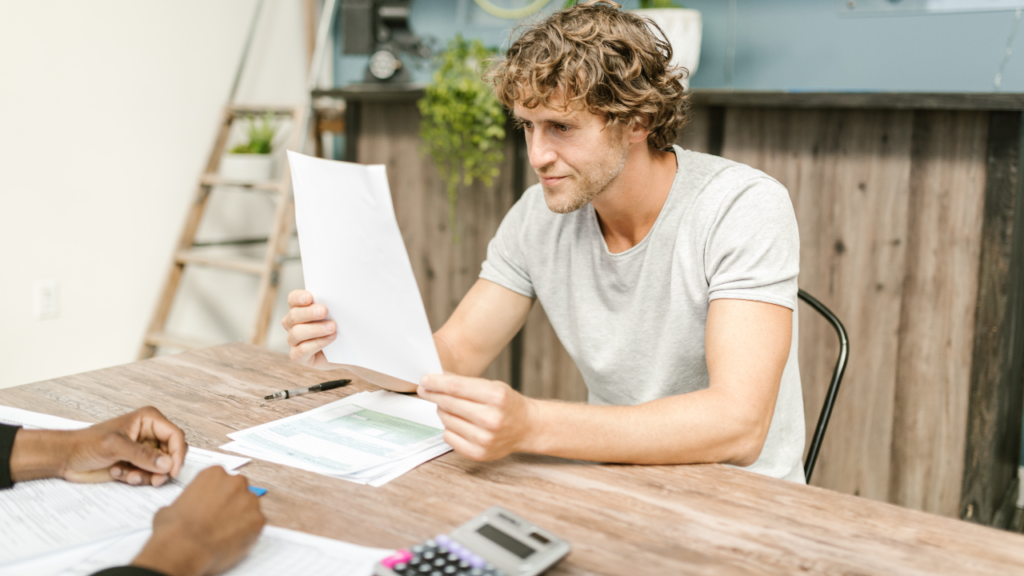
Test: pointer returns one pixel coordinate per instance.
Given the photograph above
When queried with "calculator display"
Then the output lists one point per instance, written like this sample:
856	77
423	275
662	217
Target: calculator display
505	541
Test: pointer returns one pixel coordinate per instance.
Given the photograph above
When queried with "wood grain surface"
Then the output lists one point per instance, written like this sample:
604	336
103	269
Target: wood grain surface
940	287
993	444
707	519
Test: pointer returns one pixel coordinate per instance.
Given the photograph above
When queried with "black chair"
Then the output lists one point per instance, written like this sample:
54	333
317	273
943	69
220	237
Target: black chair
833	387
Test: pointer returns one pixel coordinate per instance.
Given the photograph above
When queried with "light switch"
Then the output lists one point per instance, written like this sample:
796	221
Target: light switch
46	300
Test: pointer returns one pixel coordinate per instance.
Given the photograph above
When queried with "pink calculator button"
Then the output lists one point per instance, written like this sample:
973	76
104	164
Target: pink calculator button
398	557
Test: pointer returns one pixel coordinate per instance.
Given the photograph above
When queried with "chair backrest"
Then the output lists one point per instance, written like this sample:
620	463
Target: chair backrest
833	387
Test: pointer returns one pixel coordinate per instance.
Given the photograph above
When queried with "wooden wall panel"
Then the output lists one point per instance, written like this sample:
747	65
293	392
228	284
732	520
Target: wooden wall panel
847	173
993	442
548	370
444	269
947	193
696	135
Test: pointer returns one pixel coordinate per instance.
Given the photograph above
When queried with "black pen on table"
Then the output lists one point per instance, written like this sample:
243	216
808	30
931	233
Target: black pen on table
321	387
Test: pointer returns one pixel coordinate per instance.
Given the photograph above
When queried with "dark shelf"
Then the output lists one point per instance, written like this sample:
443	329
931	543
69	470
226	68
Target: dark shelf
889	100
382	92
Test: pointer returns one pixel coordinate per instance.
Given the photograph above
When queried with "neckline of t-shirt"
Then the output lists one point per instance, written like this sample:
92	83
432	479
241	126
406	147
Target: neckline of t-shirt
661	214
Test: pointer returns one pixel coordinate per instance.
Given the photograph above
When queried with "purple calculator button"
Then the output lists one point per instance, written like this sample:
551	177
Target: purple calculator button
443	540
455	548
476	561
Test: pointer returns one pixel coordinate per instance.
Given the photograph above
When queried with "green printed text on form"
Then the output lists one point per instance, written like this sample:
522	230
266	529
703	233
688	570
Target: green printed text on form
366	422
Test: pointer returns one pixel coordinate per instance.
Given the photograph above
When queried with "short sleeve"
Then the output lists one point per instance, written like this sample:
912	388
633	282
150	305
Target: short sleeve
506	263
753	246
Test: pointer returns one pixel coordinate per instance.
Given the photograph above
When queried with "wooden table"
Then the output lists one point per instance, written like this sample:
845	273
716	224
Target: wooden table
620	520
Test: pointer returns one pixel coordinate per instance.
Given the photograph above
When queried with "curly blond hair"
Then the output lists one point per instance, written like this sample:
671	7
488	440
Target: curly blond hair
597	58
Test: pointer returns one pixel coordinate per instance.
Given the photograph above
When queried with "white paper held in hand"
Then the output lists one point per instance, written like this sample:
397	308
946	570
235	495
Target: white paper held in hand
354	262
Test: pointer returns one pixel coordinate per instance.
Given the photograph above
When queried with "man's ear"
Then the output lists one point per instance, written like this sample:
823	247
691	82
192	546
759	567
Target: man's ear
637	129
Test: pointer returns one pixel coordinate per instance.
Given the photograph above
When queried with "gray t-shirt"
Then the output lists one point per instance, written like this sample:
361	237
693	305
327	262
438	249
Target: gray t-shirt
634	322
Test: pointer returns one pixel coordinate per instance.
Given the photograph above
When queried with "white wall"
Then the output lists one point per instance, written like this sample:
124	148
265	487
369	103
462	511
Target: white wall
108	109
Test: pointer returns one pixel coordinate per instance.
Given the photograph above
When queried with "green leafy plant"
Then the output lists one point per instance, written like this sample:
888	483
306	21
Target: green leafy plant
463	126
261	135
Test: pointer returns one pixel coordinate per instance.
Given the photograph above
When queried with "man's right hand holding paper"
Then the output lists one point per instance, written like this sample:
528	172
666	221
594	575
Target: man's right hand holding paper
308	331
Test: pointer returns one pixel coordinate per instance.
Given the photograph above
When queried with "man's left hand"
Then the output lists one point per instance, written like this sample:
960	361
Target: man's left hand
483	419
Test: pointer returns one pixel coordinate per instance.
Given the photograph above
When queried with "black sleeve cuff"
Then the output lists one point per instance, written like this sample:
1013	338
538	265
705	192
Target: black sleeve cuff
7	434
128	571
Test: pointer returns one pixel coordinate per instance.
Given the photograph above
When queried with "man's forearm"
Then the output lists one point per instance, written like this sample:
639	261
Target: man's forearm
703	426
455	363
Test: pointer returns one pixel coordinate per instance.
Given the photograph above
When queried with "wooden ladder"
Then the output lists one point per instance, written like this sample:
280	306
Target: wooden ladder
190	253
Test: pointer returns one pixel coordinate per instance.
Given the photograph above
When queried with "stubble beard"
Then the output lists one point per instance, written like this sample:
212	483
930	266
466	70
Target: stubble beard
590	184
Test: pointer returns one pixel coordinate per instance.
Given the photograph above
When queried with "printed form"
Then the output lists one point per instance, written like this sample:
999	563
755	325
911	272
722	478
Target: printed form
278	551
369	437
41	516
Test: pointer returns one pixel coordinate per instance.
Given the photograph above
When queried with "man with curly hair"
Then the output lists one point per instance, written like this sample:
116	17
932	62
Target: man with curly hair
669	276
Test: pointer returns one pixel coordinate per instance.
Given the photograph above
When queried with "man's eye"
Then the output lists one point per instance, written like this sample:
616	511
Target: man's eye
562	128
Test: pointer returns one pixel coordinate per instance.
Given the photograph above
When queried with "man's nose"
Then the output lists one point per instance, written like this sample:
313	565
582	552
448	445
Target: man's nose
540	151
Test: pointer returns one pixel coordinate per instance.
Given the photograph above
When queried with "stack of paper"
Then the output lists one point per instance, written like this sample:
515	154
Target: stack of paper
368	438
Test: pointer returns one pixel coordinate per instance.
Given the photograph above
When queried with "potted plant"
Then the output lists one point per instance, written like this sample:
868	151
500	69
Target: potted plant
463	125
252	161
682	27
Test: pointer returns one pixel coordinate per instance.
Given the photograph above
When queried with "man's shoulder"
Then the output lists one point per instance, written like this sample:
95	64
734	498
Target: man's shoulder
713	173
715	183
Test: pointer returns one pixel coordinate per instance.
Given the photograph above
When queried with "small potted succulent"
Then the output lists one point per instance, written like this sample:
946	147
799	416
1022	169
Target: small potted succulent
252	161
682	27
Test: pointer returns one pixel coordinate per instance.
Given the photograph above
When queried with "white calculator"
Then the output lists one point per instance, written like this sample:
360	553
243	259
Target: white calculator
495	543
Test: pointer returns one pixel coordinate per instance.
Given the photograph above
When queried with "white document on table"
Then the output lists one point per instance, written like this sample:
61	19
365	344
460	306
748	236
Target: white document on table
35	420
355	263
354	434
376	476
42	516
196	459
278	551
55	562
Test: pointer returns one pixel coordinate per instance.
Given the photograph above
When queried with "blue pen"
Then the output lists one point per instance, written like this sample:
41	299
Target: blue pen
257	490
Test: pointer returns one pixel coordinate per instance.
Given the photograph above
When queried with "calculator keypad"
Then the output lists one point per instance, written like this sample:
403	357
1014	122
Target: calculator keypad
441	556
